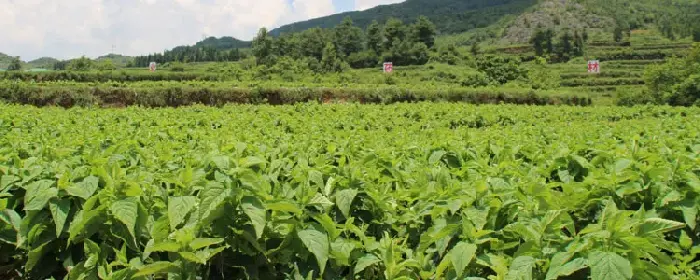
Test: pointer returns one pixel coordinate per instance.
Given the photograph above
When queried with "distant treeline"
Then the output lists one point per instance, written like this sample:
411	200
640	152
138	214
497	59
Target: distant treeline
188	54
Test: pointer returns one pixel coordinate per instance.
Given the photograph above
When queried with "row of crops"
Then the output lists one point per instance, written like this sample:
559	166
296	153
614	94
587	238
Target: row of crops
308	191
174	94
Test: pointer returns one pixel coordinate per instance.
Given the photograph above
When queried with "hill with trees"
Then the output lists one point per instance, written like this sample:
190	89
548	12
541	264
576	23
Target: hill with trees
449	16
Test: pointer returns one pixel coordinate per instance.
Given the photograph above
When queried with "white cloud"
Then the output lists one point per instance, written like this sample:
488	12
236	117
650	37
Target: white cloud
71	28
313	8
362	5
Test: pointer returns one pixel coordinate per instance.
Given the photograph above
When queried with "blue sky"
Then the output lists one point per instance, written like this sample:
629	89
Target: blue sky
71	28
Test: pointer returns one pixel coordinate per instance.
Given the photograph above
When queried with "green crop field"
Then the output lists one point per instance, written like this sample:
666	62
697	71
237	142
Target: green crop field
424	139
347	191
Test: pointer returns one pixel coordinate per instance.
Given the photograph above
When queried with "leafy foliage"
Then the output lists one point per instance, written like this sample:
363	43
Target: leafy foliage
349	191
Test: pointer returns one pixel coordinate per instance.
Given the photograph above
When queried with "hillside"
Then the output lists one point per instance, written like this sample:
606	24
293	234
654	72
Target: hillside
43	63
223	43
117	59
450	16
4	60
514	21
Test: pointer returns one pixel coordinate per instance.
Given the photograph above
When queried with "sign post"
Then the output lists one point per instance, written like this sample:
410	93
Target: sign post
152	66
594	66
388	67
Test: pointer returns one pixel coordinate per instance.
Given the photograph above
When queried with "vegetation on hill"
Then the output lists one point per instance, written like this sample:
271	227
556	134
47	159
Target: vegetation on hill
449	16
207	50
223	43
43	63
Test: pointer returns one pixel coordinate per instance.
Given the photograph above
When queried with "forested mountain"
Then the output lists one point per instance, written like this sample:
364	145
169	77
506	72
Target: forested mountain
5	60
43	63
449	16
209	49
223	43
675	18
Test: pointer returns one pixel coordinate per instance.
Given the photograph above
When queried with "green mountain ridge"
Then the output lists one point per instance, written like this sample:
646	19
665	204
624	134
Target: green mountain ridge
449	16
514	21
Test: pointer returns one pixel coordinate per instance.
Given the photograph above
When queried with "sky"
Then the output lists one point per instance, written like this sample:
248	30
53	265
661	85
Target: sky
71	28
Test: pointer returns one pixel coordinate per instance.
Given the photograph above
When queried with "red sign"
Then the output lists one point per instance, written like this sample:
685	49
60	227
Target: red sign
593	66
388	67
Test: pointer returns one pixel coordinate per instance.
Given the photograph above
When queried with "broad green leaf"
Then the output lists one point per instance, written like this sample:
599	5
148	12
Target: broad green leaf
84	189
436	156
59	211
192	257
155	269
167	246
199	243
211	203
622	164
521	268
254	208
321	200
317	243
178	208
126	211
251	161
685	241
38	194
461	255
566	269
653	226
85	223
34	256
341	249
689	208
344	199
328	225
609	266
365	262
208	253
123	274
6	180
11	217
284	207
628	188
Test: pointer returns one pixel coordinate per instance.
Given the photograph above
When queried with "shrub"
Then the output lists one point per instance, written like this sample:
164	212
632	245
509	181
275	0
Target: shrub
501	69
364	59
476	79
177	67
686	93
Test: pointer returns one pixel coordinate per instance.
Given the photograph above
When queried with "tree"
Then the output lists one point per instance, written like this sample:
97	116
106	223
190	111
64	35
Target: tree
364	59
348	37
393	30
15	64
312	41
106	65
420	54
424	31
538	41
374	37
579	44
80	64
330	61
475	48
696	34
63	65
262	47
549	40
565	47
618	34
